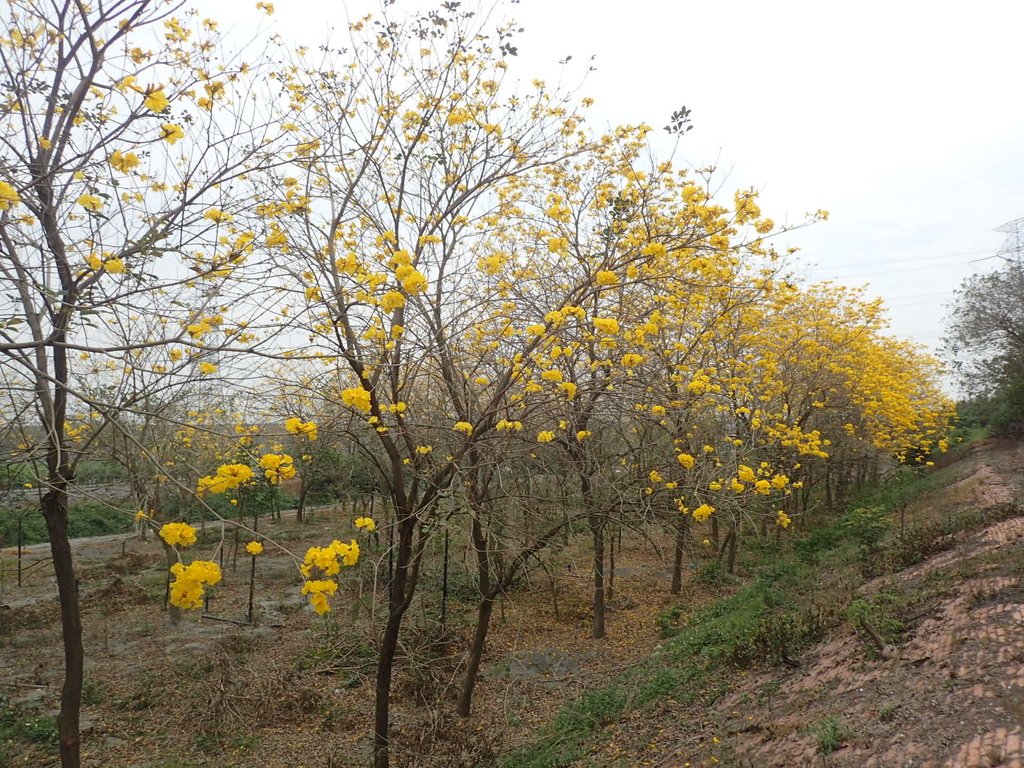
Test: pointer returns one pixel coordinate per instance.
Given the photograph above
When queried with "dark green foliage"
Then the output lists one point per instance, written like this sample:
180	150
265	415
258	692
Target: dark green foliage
332	475
668	619
712	573
880	613
83	520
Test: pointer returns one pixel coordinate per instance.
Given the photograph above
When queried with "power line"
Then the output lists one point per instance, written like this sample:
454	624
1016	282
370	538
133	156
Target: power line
890	262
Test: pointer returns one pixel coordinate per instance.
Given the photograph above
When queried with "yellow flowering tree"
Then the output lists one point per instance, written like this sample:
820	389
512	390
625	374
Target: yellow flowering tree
124	129
646	265
401	161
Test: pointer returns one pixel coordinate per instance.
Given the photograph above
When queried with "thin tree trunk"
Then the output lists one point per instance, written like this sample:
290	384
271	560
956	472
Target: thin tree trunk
842	487
55	510
300	508
492	585
385	666
476	651
733	541
444	584
677	560
173	611
597	531
478	536
597	534
610	583
401	588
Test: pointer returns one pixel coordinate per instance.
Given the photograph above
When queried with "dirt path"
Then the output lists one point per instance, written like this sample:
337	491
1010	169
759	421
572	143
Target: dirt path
99	547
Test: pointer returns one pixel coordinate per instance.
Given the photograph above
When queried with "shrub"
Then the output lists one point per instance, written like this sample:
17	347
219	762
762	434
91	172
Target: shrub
831	734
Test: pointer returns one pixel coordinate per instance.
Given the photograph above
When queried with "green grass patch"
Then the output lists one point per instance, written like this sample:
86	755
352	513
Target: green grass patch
907	484
98	471
20	725
83	520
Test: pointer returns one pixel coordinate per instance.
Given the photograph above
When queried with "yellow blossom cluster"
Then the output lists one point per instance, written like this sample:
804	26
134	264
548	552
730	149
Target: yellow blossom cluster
228	477
178	534
329	561
8	196
703	512
319	590
331	558
277	467
356	397
297	426
190	581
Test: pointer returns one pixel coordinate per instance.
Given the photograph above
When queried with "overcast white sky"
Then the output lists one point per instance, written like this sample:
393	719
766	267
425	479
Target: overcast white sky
902	118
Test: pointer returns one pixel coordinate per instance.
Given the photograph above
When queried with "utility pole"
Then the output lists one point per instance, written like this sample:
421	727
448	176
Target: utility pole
1013	248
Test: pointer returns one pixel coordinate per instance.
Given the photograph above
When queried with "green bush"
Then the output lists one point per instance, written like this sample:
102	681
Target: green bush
332	475
879	613
831	734
97	520
668	620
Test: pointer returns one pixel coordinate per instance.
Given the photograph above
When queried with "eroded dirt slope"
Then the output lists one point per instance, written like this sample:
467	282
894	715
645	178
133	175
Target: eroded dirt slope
952	693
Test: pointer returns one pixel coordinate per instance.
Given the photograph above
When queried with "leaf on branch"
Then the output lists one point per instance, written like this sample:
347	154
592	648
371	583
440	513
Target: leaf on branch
679	123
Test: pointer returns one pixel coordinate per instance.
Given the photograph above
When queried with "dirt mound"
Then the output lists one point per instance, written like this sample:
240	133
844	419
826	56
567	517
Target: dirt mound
952	695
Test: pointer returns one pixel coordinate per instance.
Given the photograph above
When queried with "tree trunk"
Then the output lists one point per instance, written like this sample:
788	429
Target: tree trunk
173	611
597	533
300	507
677	560
476	651
484	610
491	586
733	540
842	486
400	591
610	581
382	713
596	524
55	510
